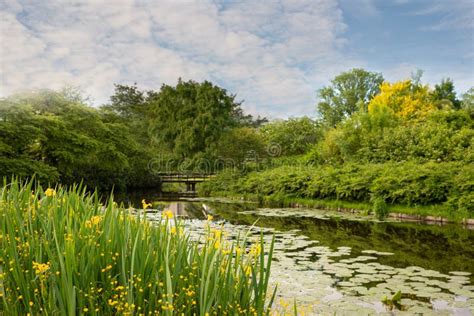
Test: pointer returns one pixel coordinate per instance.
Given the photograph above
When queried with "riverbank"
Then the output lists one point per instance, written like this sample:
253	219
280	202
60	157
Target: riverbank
437	214
434	190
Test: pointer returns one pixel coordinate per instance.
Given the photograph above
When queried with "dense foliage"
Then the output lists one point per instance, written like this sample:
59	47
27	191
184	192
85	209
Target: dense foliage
408	183
59	138
189	125
62	252
444	135
348	93
362	121
293	137
405	144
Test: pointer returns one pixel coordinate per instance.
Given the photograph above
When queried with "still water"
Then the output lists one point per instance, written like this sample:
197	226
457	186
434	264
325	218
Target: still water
344	264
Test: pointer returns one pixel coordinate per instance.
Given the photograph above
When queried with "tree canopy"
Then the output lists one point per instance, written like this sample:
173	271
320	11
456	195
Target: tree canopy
445	94
403	98
348	93
61	138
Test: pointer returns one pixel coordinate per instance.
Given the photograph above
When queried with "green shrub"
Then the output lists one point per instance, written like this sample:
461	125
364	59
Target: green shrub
377	138
380	208
26	168
407	183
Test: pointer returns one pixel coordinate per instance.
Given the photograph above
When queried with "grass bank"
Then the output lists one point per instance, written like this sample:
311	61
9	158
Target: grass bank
62	252
429	189
438	213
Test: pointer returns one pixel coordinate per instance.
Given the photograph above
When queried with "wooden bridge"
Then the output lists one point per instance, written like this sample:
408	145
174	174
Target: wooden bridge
189	178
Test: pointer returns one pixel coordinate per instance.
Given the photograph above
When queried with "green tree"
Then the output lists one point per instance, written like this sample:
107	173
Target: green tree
444	95
191	117
128	101
240	144
348	93
468	99
179	121
75	141
291	137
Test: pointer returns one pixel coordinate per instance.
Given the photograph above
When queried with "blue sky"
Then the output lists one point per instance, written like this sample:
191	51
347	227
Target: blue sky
273	54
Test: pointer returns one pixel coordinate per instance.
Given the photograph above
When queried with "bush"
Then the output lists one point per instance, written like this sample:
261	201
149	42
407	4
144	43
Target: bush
380	208
378	138
26	168
411	183
408	183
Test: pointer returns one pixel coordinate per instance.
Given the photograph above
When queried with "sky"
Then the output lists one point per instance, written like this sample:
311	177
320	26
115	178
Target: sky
274	55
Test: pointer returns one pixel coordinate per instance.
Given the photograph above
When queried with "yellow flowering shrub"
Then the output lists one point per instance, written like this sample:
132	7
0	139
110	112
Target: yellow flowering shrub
403	99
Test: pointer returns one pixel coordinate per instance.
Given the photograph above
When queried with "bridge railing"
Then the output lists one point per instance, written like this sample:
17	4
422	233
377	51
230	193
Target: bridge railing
185	177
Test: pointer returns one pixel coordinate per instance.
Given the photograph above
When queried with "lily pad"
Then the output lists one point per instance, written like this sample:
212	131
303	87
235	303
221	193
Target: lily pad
460	273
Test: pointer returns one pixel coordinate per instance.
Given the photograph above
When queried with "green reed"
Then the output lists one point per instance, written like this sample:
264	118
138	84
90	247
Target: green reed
63	252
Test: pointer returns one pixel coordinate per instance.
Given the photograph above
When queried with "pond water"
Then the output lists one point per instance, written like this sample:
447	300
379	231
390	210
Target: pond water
341	263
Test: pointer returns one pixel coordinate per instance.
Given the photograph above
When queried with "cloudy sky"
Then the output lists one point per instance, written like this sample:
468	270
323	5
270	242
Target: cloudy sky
273	54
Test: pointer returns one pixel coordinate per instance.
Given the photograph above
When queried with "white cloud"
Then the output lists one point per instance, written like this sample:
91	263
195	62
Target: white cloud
270	52
457	14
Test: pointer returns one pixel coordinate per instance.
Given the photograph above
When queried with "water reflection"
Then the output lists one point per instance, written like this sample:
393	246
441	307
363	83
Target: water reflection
332	262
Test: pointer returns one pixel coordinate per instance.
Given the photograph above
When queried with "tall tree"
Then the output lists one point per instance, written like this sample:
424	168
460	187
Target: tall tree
348	93
128	101
444	94
190	117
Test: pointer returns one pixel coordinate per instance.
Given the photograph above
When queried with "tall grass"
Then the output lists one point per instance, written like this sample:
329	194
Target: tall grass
62	252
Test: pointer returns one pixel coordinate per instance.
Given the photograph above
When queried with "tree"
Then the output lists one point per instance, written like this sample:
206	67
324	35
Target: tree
291	137
62	139
404	99
248	120
444	95
348	93
468	99
191	117
128	101
240	144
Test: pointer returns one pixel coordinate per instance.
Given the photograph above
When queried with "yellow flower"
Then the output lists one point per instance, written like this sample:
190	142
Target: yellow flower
40	268
50	192
94	221
248	270
210	217
256	249
167	214
217	233
146	205
173	230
